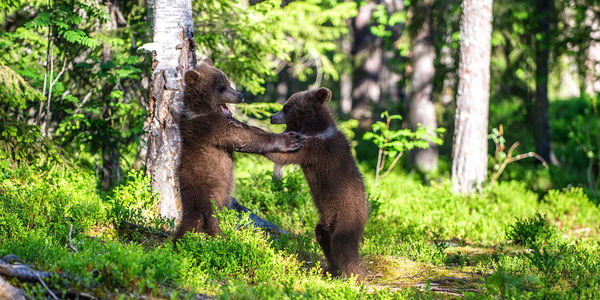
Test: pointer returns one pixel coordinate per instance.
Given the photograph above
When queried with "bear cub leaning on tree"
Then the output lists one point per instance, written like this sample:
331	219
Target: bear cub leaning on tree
335	183
209	136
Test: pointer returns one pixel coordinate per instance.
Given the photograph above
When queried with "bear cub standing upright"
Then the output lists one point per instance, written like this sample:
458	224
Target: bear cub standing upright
209	136
335	182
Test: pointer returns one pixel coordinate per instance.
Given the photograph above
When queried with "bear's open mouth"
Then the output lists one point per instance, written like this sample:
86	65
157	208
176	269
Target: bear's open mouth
225	110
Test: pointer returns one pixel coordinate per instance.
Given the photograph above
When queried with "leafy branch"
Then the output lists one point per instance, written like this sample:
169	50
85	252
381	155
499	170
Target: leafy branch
393	143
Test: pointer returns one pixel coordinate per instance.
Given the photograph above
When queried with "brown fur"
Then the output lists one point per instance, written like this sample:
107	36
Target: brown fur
335	182
209	136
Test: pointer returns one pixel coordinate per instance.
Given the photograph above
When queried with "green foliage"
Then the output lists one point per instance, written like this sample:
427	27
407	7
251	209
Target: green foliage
530	231
63	196
133	202
15	91
393	143
251	42
414	222
554	268
584	132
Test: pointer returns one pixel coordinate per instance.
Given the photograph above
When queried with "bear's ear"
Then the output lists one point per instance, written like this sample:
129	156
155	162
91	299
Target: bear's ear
322	95
208	61
191	77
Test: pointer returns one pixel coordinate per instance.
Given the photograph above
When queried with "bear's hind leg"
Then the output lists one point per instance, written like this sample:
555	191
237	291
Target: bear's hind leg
345	253
324	239
212	226
189	222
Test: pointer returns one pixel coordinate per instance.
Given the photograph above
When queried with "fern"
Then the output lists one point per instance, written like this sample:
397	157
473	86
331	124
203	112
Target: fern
79	37
42	20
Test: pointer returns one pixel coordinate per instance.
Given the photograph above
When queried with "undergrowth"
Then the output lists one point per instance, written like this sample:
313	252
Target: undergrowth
536	247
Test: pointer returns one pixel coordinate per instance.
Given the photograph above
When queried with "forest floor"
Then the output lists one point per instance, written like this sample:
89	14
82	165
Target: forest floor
421	241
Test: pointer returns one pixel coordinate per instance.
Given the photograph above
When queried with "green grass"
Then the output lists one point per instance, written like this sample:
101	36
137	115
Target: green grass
420	241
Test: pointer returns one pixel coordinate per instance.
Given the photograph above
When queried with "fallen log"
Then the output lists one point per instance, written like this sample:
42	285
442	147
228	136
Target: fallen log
22	272
256	220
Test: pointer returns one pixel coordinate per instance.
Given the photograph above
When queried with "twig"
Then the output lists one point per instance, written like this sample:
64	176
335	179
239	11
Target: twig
70	243
393	164
509	159
47	289
319	72
85	99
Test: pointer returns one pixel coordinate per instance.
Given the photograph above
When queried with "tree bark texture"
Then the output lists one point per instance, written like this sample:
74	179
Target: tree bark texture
173	53
592	63
541	126
469	151
421	106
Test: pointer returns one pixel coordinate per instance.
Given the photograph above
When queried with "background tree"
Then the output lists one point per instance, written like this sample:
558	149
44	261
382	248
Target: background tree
422	57
469	151
544	10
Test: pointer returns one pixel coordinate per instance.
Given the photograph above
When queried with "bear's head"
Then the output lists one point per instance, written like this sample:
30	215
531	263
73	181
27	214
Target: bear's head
306	112
207	87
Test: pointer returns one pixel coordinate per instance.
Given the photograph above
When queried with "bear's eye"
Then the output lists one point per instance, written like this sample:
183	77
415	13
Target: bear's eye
221	89
285	109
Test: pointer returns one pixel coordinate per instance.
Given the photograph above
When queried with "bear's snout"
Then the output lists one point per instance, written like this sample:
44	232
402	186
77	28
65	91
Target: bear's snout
277	118
241	97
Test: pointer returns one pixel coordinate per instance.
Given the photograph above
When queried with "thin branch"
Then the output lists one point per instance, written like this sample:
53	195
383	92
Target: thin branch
62	71
378	168
70	241
85	99
393	164
45	286
319	72
283	2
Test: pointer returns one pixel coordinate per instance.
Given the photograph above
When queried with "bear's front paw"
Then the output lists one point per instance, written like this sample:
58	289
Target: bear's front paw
292	142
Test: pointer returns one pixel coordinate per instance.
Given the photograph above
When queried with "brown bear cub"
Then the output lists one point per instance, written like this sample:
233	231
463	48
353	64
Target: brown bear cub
209	136
335	183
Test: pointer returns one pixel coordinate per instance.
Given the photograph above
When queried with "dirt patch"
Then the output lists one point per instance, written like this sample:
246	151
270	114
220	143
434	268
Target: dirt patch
397	273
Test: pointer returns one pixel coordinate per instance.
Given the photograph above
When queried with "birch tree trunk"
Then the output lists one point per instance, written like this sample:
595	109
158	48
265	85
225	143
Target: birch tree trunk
421	107
173	53
469	151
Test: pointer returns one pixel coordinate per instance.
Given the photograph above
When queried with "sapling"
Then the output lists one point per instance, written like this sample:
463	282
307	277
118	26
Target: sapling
393	143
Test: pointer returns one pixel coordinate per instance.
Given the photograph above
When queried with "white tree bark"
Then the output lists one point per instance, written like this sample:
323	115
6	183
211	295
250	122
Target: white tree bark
173	53
469	151
592	78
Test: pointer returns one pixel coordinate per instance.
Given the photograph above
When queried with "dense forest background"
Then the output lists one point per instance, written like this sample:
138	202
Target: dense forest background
74	120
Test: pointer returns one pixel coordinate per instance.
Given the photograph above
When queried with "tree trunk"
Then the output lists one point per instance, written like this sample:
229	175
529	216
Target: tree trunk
542	54
367	55
422	108
591	84
469	151
374	79
173	53
111	165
